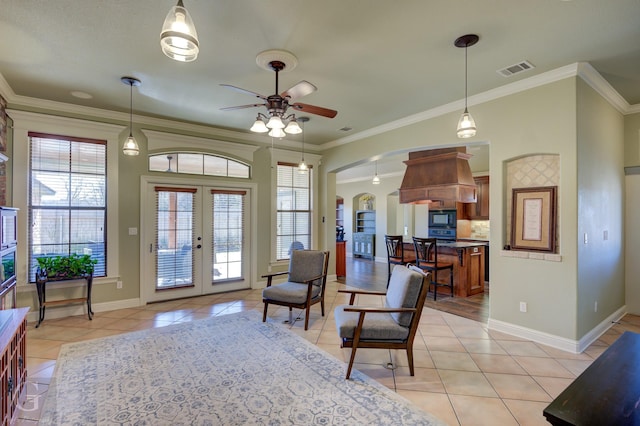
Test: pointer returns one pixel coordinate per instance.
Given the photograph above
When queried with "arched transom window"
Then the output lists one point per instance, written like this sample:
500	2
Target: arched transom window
198	164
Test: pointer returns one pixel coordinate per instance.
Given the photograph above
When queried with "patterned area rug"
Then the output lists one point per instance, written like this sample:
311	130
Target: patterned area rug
228	370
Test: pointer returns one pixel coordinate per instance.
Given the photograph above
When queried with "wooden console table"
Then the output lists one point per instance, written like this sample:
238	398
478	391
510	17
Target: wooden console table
13	362
606	393
41	287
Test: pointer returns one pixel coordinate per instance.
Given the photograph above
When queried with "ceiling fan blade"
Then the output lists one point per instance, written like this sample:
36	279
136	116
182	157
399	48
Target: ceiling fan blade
245	91
301	89
240	107
312	109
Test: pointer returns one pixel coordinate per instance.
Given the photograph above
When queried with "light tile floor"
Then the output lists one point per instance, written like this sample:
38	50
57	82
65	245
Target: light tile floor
465	374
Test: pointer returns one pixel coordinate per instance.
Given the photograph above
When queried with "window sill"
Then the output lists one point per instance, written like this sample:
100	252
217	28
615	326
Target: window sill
549	257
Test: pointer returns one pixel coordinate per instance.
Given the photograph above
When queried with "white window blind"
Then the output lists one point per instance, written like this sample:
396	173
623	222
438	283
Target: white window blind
228	238
175	224
67	199
293	210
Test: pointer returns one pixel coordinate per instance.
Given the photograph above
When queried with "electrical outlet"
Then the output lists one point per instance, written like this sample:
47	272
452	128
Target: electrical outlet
118	284
595	307
523	306
605	235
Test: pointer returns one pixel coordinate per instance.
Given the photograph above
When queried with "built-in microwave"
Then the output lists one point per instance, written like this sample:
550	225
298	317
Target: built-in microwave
442	219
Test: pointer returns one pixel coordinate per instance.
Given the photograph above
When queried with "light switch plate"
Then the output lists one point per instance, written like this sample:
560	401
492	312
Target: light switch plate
133	231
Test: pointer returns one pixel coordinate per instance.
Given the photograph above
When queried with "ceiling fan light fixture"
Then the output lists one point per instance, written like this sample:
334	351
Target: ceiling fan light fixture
293	128
178	38
277	133
466	124
275	122
259	126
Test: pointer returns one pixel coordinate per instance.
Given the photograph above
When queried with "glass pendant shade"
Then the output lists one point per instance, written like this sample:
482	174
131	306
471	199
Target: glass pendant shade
275	122
259	127
277	133
293	128
130	146
376	180
302	167
466	125
178	38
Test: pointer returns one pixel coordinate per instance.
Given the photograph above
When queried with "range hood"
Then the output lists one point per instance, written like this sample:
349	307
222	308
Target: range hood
438	175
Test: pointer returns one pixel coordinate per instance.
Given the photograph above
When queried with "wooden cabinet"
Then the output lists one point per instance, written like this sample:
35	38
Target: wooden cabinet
480	209
8	245
364	244
341	254
13	362
468	267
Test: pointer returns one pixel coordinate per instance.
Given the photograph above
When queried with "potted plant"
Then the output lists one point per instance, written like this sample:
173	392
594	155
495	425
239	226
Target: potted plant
65	267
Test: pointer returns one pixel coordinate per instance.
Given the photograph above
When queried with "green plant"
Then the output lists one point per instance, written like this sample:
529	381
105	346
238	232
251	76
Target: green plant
74	265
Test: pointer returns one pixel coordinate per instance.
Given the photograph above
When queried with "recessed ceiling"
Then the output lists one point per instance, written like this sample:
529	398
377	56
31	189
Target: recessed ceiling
375	61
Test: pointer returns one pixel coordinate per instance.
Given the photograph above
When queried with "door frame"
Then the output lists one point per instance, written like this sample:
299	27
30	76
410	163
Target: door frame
146	211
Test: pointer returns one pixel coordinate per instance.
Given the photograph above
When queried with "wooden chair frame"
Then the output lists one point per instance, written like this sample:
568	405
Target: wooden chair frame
426	250
406	344
395	252
306	305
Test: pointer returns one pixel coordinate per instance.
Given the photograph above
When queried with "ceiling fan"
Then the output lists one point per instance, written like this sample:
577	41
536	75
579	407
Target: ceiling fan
278	104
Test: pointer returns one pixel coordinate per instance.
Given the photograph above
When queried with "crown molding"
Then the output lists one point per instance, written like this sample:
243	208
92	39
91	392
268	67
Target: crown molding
582	69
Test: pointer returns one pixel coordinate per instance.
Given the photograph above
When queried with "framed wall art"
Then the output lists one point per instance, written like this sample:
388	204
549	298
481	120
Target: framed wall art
533	219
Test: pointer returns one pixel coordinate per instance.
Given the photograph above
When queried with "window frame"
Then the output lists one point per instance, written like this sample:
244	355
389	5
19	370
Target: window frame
24	122
309	211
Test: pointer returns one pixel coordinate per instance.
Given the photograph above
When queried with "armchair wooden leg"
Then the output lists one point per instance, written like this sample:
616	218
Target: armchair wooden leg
306	319
351	359
410	359
264	314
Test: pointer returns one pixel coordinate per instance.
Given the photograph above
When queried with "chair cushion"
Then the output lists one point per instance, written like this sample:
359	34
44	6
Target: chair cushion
306	264
289	292
377	326
403	291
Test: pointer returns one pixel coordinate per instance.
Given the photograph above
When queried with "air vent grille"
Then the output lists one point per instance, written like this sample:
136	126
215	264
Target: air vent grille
345	129
515	68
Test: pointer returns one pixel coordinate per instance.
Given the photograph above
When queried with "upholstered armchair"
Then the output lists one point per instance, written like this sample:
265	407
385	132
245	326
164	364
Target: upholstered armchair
393	326
305	285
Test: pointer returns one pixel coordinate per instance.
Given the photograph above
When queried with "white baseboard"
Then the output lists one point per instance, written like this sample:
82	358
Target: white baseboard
558	342
53	312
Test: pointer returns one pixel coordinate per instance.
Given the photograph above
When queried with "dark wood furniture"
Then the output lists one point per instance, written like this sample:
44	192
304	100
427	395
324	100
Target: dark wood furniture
41	286
8	246
607	392
426	251
395	252
341	258
468	259
480	209
13	362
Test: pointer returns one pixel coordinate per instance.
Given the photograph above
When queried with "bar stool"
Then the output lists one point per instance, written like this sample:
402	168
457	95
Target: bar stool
427	258
395	252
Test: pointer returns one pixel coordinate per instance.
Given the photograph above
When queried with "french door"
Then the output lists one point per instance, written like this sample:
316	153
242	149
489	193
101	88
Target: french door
195	240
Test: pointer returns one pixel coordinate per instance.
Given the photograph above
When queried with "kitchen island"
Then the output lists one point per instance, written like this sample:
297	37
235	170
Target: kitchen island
468	259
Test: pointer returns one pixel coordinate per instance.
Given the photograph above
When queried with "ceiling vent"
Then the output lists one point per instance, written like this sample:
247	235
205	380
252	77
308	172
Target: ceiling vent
515	68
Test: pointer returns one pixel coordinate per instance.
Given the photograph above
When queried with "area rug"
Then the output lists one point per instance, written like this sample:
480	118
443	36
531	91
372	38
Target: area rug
226	370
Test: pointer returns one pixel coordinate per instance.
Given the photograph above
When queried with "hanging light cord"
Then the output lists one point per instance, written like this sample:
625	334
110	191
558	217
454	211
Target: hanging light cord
465	76
131	108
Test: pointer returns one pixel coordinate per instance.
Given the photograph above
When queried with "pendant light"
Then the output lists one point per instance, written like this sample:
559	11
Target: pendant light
130	146
178	38
466	125
376	179
302	167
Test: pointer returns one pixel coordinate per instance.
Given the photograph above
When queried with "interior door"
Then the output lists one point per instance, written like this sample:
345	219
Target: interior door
195	241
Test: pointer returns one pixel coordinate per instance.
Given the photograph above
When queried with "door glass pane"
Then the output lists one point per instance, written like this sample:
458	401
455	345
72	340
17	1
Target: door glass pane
228	221
174	236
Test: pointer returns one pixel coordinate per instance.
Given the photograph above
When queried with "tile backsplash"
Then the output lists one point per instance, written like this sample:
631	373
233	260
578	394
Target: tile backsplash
480	229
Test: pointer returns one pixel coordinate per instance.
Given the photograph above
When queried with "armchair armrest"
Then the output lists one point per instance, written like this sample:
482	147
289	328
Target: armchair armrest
353	293
378	310
269	277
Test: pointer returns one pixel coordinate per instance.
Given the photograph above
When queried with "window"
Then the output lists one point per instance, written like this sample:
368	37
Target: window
228	239
67	199
197	164
293	210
